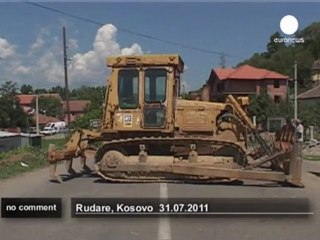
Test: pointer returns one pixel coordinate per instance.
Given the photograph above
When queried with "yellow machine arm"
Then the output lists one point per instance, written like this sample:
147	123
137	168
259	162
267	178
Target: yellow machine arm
247	121
75	147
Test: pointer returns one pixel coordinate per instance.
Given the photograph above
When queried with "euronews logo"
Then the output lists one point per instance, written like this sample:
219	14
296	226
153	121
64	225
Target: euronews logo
289	26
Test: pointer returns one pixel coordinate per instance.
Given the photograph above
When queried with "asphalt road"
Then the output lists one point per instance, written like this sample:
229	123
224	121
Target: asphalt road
36	184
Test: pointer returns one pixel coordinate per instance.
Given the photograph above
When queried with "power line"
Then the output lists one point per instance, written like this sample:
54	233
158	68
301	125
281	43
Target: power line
132	32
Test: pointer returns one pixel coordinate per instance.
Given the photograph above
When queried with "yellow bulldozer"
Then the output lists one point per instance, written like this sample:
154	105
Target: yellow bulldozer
149	133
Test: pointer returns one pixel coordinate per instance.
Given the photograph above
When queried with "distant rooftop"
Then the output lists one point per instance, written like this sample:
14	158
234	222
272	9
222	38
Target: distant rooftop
77	105
312	93
26	99
247	72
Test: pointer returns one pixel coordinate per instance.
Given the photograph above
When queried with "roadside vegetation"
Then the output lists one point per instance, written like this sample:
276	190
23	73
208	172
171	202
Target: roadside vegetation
25	159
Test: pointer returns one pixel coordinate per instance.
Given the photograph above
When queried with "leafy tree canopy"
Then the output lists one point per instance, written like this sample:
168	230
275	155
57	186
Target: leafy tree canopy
40	91
26	89
11	113
50	106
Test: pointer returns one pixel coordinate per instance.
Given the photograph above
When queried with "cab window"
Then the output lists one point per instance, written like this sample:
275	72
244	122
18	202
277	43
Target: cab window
155	82
128	88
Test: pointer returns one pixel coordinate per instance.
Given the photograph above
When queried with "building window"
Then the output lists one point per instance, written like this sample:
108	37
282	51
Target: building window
276	83
277	98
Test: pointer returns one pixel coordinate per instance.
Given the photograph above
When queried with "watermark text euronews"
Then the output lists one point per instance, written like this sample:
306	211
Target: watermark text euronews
289	25
288	40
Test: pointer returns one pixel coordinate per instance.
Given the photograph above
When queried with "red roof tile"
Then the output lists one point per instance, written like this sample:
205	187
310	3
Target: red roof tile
43	119
76	105
223	73
247	72
25	99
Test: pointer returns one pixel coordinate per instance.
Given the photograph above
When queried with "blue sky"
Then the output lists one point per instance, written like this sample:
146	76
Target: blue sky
31	42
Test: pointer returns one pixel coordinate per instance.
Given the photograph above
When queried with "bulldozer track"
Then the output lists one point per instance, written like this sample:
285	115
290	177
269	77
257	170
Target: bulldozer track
135	142
129	142
195	180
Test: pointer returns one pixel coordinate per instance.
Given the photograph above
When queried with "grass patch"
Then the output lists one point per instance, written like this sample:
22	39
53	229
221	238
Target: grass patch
10	162
312	157
58	142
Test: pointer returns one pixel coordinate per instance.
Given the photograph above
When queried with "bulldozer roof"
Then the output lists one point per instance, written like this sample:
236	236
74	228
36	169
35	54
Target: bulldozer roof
146	60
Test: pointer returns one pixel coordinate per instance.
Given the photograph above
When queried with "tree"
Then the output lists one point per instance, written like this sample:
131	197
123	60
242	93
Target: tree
96	95
50	106
40	91
311	35
309	112
11	113
261	107
60	90
84	121
272	46
26	89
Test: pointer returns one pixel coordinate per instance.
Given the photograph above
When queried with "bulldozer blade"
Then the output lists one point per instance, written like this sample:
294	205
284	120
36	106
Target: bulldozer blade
69	168
84	165
53	173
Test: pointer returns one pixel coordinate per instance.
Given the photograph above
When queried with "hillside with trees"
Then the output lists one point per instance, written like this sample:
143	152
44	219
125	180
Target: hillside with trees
280	57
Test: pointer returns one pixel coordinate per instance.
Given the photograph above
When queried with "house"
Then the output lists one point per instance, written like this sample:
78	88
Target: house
310	95
77	109
43	119
195	95
25	100
200	94
244	81
315	73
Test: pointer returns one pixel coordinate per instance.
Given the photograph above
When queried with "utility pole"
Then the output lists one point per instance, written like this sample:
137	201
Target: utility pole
295	90
65	62
37	114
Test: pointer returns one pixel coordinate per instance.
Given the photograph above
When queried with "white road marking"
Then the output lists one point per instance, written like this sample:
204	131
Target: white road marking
164	228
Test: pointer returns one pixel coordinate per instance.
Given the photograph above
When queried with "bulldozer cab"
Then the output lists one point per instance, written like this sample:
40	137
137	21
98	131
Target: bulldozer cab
141	93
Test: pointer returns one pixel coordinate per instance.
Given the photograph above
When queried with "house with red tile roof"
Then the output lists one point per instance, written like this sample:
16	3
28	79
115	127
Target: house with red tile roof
25	100
43	119
77	109
244	81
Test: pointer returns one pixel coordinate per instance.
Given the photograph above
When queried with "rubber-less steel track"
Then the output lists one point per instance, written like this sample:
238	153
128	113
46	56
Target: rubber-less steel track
120	144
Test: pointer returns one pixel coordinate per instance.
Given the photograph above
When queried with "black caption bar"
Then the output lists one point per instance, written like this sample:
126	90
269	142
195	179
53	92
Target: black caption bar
31	207
108	207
